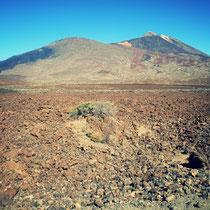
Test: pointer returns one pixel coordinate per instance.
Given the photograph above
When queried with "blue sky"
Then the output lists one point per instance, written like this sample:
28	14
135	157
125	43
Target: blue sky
30	24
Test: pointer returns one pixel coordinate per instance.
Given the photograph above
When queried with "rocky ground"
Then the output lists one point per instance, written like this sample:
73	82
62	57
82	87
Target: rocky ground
155	154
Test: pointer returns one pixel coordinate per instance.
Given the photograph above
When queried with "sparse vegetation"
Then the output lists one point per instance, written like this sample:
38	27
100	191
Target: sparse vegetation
95	137
99	109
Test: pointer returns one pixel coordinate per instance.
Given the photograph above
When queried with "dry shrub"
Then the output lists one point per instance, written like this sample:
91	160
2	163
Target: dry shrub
98	109
95	137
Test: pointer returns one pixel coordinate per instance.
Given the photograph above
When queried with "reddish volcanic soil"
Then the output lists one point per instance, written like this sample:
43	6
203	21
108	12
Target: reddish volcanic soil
156	151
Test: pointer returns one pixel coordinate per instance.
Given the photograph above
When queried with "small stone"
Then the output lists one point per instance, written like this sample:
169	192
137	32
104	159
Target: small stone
144	170
126	188
30	197
40	202
132	171
11	192
4	200
92	161
72	194
168	183
205	195
27	152
194	172
187	190
146	184
34	204
100	192
98	202
189	182
78	206
170	198
93	186
127	181
159	198
197	205
129	195
122	170
133	194
64	165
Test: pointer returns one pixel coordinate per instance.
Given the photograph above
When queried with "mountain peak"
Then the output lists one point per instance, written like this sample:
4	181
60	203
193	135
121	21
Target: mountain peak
164	44
150	33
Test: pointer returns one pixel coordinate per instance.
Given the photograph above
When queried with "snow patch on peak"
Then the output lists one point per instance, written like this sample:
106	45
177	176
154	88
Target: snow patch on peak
166	38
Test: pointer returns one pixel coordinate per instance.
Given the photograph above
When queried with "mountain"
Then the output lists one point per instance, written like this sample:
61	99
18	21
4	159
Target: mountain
80	60
71	59
164	44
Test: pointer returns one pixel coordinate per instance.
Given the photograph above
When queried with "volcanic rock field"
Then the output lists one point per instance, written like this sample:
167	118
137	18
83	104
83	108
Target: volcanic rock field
154	153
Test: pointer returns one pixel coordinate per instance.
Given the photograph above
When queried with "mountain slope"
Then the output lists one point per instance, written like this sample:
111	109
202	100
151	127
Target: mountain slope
75	59
28	57
79	60
164	44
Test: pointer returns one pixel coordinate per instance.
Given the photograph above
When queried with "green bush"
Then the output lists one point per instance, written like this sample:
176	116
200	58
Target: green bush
99	109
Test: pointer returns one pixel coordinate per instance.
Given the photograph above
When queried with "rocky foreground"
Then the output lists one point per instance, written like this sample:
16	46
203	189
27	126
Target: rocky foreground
155	154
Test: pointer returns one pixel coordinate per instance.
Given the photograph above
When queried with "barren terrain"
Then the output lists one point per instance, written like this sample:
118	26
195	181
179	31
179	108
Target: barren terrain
155	154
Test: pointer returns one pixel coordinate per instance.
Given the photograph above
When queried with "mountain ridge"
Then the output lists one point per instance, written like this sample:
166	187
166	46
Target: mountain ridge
163	44
81	60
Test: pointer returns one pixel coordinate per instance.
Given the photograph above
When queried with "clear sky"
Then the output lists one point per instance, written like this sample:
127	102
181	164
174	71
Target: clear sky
26	25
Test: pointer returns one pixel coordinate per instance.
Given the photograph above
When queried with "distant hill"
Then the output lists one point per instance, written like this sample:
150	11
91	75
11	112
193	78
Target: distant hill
80	60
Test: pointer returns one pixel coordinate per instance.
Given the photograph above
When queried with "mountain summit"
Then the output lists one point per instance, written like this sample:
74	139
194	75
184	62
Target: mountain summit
150	33
164	44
